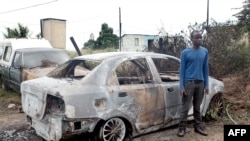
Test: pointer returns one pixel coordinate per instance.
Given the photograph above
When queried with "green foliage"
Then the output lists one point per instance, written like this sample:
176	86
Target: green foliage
227	44
19	32
223	44
244	15
8	93
90	44
239	58
106	39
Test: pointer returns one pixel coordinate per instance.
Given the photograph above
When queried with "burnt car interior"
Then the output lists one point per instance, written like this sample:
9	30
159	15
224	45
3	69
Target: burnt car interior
134	72
168	69
76	69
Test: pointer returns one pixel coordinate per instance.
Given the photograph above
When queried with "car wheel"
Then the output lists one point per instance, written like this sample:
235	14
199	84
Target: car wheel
113	130
215	109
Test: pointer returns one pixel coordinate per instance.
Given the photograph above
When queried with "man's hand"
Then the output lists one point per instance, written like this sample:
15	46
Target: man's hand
206	91
183	93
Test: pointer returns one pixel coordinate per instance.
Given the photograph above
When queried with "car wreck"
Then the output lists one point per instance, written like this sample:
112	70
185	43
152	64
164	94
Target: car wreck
25	59
115	96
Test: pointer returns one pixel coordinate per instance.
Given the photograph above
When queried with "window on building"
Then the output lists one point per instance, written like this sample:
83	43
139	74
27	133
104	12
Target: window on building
136	41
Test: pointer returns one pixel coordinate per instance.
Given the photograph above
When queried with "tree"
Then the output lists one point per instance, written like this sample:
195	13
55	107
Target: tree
19	32
90	44
244	15
106	39
227	53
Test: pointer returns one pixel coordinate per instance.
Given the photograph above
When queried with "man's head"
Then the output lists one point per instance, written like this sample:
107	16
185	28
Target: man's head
196	38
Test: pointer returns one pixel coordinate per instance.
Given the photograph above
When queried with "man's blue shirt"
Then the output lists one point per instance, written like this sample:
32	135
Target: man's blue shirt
194	65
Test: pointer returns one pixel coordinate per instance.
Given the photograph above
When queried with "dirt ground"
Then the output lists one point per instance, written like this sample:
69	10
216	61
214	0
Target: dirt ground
13	126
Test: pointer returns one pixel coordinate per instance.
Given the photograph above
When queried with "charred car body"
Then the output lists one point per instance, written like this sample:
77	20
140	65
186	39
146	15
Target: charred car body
24	59
114	95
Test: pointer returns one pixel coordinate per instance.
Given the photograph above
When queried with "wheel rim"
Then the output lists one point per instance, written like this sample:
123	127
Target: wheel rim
114	130
215	108
218	105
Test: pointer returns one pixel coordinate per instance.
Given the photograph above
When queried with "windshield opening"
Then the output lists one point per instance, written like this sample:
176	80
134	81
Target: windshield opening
44	58
74	69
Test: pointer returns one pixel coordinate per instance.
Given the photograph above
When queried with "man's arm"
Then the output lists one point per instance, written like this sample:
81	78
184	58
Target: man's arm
206	72
182	71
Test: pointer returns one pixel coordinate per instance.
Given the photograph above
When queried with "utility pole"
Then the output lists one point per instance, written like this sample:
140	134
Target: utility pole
207	28
120	29
207	13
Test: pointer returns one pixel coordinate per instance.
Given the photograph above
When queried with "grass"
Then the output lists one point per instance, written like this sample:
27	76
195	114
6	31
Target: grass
8	93
8	97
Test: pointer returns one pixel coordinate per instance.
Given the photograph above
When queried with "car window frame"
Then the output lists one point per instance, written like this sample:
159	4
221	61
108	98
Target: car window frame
7	53
177	72
20	60
130	59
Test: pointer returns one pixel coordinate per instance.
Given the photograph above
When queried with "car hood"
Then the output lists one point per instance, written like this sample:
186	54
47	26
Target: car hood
28	74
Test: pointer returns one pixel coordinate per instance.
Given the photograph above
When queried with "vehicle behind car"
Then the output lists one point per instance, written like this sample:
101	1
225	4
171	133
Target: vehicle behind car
24	59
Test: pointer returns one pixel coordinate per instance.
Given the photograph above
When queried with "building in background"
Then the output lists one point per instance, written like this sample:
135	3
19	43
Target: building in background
54	30
137	42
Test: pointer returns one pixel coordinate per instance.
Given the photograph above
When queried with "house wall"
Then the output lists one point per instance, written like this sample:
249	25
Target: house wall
129	42
54	30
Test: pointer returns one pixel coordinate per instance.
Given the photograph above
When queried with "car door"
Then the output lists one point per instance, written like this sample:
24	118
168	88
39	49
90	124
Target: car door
168	71
136	94
5	66
15	71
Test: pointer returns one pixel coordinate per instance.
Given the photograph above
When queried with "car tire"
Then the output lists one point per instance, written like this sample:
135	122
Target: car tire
113	129
215	108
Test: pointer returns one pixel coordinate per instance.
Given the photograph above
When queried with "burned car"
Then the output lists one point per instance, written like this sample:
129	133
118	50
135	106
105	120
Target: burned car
112	96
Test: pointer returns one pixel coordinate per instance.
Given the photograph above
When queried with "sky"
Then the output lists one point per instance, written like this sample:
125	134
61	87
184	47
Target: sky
137	16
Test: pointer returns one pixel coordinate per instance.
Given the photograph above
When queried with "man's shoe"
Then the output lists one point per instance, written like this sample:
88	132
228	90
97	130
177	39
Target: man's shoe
200	131
181	133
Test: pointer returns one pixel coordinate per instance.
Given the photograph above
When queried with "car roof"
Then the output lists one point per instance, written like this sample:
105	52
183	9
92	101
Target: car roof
106	55
25	43
38	49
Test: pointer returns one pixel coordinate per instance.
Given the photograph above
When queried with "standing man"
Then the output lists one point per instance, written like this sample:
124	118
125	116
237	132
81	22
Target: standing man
194	72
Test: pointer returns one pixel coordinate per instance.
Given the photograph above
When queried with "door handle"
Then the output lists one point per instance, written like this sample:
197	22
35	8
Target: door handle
170	89
122	94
